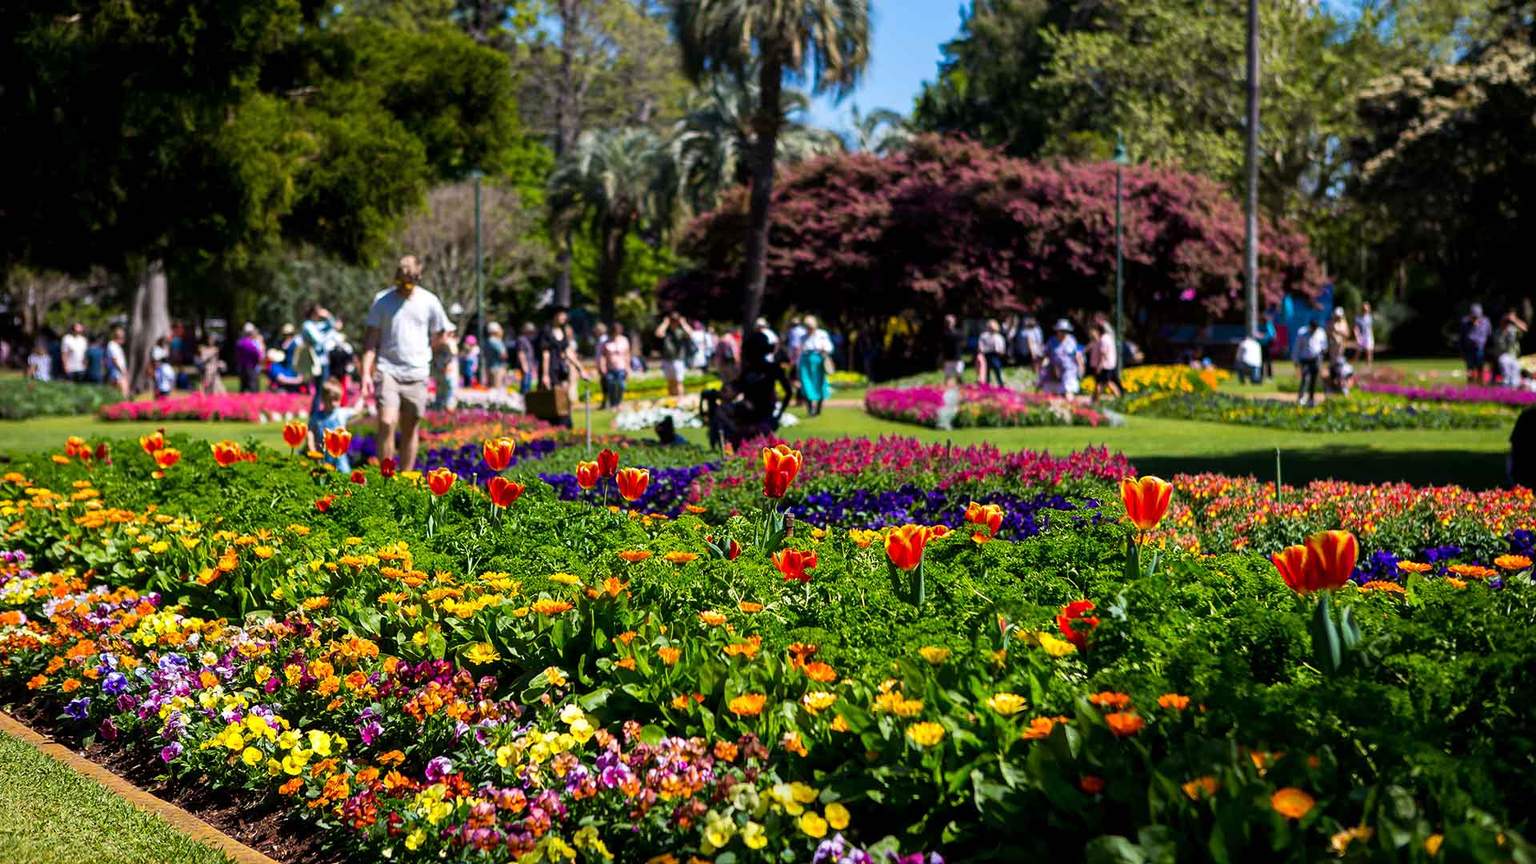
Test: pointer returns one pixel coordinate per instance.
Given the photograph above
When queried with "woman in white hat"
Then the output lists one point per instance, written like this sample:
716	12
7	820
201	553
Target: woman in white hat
1063	368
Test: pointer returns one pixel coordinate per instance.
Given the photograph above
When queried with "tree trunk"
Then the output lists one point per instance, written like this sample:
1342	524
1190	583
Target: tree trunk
150	319
765	125
610	269
567	127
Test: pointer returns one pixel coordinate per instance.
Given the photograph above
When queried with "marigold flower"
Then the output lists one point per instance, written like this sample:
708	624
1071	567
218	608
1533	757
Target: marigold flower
634	556
546	606
1387	587
781	465
934	654
497	453
925	734
820	672
711	618
1292	803
294	432
440	480
1146	500
1124	723
1512	563
1414	567
1006	704
1110	699
1201	786
676	557
337	442
1432	844
817	701
607	462
748	704
587	474
1340	842
481	653
632	482
749	607
1038	728
1076	624
794	564
1173	701
669	654
1472	571
504	492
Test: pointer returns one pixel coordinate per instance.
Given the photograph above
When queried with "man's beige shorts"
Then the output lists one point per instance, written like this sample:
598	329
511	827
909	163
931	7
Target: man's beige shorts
395	395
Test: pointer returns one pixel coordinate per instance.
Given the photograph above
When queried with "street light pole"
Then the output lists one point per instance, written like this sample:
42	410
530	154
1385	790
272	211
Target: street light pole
479	283
1251	164
1120	160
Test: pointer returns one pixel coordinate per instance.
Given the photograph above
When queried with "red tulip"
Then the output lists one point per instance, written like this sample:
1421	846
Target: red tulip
387	467
904	546
152	442
103	454
781	464
227	453
1075	623
498	453
632	482
794	563
324	504
293	433
440	480
165	457
607	463
338	442
1326	562
359	477
503	491
1146	500
587	474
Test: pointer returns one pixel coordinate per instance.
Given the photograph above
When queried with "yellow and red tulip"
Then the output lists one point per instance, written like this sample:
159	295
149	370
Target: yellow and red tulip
338	442
498	453
794	563
988	516
440	480
904	546
226	453
781	464
587	474
1325	562
152	442
293	433
1146	500
165	457
504	492
1076	623
632	482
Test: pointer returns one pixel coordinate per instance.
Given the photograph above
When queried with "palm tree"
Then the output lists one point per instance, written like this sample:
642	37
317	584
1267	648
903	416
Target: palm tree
614	181
880	131
715	135
769	38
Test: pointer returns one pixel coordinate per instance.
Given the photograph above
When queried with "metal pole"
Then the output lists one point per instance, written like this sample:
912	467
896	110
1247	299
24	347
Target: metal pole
480	286
1119	258
1251	163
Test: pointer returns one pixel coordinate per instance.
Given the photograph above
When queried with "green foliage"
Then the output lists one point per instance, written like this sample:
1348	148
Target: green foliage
1360	411
22	398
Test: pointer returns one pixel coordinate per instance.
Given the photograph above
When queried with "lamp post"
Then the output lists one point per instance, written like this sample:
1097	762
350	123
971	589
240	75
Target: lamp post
1120	162
1251	166
479	282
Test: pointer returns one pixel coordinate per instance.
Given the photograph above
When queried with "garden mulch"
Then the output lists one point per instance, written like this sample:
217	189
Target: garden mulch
246	828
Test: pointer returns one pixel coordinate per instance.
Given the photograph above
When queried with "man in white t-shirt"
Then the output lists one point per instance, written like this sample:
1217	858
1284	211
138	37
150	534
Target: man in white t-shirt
1250	360
404	324
72	350
117	361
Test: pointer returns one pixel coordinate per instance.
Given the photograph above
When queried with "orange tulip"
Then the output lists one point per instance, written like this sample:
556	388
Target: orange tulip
1326	562
794	563
227	453
152	442
1146	500
587	474
632	482
905	545
607	463
988	516
498	453
165	457
503	491
337	442
293	433
440	480
781	464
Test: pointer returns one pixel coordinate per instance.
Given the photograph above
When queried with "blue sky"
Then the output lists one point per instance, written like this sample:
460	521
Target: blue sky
904	54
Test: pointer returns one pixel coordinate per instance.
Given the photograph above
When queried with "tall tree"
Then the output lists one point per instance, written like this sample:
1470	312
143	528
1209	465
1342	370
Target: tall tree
823	41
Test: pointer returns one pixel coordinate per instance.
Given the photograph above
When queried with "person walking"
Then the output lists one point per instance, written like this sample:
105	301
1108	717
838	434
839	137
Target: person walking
1062	370
250	354
1507	344
495	356
1250	359
445	370
952	352
40	362
676	348
72	350
96	361
990	350
1475	330
814	364
402	325
313	352
1268	338
526	353
1311	344
613	366
1365	334
117	361
558	358
210	367
1106	369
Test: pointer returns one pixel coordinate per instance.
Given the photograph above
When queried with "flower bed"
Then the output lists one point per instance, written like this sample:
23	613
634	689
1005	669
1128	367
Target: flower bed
425	675
1334	414
1168	378
264	407
21	398
977	405
1454	393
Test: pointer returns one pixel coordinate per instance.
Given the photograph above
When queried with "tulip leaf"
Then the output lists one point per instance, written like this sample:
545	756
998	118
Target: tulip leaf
1327	651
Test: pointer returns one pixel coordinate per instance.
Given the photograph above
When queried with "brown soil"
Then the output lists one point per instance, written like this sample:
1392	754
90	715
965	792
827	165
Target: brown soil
260	822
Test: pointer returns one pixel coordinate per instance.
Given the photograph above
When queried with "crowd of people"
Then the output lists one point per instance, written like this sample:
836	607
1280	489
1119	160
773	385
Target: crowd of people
1058	361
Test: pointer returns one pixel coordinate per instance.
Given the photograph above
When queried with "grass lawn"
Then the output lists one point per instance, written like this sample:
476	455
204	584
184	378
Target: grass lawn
51	815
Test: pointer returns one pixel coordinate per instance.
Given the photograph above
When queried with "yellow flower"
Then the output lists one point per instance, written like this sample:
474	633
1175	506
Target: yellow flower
1056	647
1432	844
251	756
925	734
754	836
934	654
554	676
565	579
414	839
1006	704
159	546
481	653
837	816
817	701
813	825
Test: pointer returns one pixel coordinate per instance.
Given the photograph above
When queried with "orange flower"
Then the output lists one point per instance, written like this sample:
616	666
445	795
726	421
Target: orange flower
1512	563
820	672
632	482
1091	784
293	433
634	556
1201	786
1379	585
1173	701
748	704
587	474
988	516
165	457
1110	699
1146	500
498	453
1038	729
503	491
337	442
676	557
607	463
1414	567
152	442
324	503
551	607
794	563
749	607
669	654
227	453
904	546
1472	571
1124	723
711	618
1323	564
440	480
1292	803
781	464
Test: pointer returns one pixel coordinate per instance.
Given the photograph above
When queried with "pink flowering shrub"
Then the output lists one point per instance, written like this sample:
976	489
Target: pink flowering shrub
244	407
979	405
